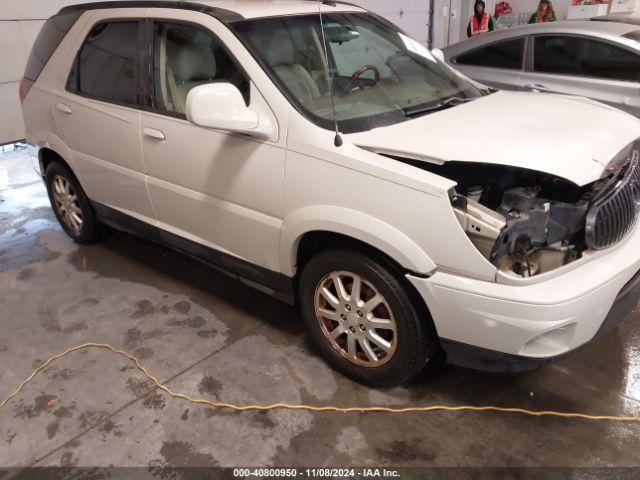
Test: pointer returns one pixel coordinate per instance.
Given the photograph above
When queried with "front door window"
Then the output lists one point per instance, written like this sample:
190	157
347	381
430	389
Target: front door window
186	57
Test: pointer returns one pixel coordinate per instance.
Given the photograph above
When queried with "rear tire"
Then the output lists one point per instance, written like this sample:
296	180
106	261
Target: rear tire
71	205
363	319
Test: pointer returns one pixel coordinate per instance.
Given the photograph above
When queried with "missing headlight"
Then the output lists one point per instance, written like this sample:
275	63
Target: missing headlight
524	222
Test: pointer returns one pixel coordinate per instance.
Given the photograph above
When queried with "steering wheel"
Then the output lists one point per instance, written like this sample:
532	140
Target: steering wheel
358	73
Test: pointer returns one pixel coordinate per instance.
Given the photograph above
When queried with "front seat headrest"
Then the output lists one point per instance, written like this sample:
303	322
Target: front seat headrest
278	50
195	62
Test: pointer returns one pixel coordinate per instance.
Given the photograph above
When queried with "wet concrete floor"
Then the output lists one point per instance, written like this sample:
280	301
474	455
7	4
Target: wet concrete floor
209	336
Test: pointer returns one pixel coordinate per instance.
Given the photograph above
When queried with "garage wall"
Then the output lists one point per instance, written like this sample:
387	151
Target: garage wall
411	15
20	22
16	38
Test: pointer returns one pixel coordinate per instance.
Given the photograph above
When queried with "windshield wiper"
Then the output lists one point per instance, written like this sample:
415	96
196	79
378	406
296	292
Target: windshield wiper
446	103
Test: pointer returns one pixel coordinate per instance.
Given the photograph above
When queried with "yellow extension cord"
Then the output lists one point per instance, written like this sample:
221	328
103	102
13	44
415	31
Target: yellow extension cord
328	408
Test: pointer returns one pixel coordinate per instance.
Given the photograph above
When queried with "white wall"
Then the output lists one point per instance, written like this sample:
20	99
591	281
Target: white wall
17	31
411	15
20	22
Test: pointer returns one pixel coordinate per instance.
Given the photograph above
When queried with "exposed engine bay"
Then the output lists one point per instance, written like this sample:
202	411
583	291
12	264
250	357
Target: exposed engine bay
524	222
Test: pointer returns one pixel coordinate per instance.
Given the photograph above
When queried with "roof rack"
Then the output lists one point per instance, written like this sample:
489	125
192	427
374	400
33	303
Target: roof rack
222	14
333	3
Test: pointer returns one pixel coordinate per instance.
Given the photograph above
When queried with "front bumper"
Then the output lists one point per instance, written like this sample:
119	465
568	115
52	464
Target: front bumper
492	361
509	328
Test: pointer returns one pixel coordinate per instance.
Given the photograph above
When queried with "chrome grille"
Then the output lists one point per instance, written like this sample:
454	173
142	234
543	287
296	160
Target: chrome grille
614	213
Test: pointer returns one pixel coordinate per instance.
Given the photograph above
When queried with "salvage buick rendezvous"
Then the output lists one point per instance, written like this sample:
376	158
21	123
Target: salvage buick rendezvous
498	226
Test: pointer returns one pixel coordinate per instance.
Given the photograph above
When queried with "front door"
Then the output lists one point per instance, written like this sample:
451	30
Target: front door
217	191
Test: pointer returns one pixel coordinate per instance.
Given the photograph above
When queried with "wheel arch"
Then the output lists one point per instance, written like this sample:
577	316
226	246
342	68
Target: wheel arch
312	242
46	156
338	225
49	148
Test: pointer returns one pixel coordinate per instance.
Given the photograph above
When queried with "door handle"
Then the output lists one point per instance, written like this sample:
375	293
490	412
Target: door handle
64	108
153	133
536	87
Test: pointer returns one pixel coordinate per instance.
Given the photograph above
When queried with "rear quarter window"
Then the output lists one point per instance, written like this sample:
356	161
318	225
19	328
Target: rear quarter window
48	41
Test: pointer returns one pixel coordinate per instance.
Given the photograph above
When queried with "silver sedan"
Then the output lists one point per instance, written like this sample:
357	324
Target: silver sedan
600	60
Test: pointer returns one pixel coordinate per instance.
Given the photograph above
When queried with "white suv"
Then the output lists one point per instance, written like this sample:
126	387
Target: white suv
499	227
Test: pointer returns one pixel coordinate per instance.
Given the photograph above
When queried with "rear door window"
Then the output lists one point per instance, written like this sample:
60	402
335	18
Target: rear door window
48	41
107	65
507	54
585	57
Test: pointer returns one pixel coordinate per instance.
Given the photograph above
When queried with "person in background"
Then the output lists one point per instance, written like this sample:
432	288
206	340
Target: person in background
544	13
481	22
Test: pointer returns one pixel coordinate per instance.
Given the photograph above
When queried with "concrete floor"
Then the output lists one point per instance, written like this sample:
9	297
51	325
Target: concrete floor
210	336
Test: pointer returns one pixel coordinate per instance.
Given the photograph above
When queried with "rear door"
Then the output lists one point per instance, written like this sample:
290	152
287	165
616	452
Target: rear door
586	67
499	64
98	115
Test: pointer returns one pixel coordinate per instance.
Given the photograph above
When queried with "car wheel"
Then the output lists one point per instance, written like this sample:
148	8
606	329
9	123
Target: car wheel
363	319
71	205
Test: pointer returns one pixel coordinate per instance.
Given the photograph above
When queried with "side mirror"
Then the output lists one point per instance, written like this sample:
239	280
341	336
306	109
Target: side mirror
220	106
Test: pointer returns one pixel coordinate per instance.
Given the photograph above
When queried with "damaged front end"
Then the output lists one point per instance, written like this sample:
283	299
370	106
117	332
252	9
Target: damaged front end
528	232
527	223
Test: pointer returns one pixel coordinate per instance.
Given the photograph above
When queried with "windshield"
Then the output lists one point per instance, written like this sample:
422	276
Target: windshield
379	75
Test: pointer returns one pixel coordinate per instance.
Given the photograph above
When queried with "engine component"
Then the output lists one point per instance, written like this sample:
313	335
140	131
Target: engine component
475	193
532	222
483	226
523	222
539	261
528	222
521	265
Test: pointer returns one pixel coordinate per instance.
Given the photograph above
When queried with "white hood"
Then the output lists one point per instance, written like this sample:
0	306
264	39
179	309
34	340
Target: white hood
570	137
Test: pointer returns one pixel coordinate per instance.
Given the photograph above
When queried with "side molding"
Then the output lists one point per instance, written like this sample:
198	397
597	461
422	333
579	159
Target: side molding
272	283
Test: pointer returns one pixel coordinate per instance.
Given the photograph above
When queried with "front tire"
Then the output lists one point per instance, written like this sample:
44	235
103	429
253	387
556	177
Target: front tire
363	319
71	205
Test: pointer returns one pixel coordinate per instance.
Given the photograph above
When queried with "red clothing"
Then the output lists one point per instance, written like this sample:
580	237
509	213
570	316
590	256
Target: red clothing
478	28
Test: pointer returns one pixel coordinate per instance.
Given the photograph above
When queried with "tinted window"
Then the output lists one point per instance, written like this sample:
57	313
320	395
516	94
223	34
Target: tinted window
52	33
186	57
585	57
106	67
497	55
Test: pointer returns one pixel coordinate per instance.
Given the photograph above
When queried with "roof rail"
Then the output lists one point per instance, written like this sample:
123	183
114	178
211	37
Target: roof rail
222	14
333	3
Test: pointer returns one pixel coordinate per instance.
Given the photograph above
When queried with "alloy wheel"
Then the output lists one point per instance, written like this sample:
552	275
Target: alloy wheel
356	319
66	203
